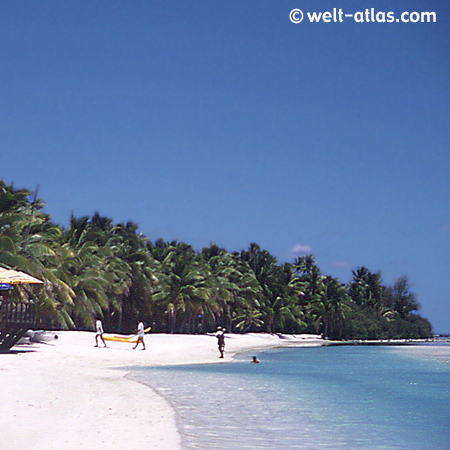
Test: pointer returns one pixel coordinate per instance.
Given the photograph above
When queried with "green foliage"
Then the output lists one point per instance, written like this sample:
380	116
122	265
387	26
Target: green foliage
96	268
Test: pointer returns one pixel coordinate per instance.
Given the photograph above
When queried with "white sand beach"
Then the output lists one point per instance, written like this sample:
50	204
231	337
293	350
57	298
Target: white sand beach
68	394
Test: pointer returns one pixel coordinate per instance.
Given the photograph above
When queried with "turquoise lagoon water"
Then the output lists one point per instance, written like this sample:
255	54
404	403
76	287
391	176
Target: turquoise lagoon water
337	398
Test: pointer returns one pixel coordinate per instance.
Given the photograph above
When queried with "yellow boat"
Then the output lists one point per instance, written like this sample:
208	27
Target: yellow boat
132	338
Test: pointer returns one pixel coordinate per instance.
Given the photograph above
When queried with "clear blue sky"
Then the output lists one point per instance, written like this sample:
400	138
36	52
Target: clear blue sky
224	122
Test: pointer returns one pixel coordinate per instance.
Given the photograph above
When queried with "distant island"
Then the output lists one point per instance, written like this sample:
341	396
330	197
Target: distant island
96	268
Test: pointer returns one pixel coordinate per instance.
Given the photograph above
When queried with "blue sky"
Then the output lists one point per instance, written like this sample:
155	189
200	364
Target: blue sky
225	122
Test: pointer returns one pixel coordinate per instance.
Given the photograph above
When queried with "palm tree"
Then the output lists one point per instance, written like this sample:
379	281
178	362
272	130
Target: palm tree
313	292
141	276
334	308
366	289
236	289
185	289
29	240
248	320
281	290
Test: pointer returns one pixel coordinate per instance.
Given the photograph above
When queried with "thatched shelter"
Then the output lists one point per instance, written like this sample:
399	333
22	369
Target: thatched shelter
15	317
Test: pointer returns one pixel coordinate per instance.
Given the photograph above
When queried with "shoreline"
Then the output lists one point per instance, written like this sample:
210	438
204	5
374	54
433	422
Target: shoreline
67	393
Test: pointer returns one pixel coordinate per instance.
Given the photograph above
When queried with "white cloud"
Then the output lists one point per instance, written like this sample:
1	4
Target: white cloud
300	250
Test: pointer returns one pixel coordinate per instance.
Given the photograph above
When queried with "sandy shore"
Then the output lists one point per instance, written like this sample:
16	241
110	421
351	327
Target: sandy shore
68	394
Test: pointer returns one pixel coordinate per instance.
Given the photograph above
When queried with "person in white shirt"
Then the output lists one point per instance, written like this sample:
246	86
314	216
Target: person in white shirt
99	332
140	335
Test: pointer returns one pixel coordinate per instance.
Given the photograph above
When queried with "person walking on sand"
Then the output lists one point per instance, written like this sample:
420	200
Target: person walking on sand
99	332
140	335
220	335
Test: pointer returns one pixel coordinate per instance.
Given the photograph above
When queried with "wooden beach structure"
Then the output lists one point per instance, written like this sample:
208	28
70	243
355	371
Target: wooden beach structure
16	318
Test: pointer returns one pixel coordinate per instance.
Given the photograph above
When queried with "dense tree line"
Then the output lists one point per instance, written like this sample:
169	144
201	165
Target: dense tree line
95	268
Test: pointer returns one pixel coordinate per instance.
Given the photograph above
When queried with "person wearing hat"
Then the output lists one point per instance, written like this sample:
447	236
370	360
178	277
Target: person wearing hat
220	335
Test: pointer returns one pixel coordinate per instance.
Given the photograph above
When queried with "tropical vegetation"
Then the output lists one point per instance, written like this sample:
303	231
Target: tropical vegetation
96	268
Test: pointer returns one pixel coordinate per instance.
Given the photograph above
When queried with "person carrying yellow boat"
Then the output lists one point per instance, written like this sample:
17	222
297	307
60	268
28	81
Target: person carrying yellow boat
131	338
140	335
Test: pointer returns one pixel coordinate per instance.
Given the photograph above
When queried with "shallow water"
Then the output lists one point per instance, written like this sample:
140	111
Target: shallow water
340	398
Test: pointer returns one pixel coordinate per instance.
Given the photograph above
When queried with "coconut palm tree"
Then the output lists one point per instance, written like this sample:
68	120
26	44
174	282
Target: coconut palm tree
29	240
313	297
141	278
334	306
186	292
366	289
235	288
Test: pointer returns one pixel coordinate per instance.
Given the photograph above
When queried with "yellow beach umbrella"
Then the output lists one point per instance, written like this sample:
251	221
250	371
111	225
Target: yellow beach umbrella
15	277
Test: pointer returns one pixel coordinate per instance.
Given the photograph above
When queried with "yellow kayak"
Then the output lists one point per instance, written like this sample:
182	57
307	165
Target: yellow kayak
118	338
